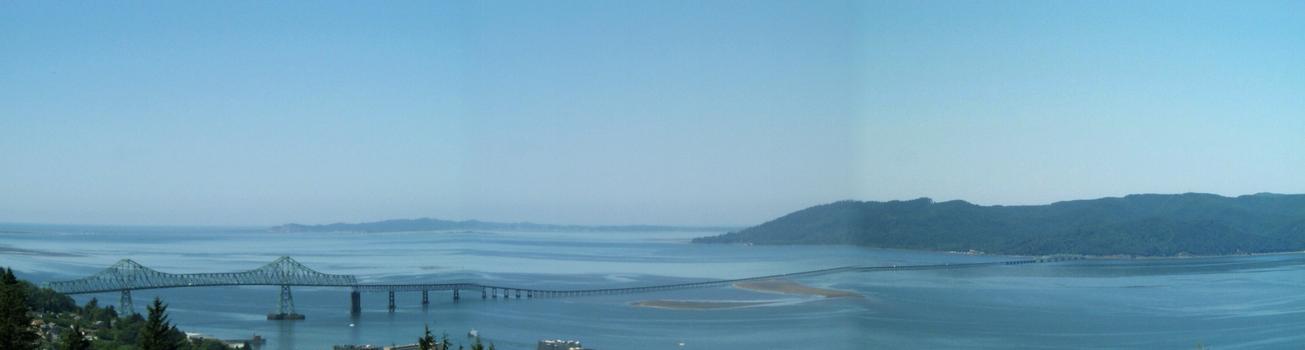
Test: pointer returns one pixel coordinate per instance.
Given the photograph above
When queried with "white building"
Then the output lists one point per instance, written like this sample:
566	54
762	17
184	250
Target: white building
558	344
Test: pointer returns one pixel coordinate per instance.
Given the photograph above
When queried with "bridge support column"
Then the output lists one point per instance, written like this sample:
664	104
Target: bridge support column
493	293
287	304
391	301
125	307
530	294
482	293
285	308
425	297
518	294
455	294
355	302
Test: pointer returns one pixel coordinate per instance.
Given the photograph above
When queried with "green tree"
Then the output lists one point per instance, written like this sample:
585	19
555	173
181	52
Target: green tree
16	331
445	344
91	308
426	342
127	330
46	299
477	345
158	333
74	339
209	344
110	313
491	345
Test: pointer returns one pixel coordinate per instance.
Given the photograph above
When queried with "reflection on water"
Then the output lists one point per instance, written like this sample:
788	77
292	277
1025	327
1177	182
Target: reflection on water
354	335
1235	302
285	334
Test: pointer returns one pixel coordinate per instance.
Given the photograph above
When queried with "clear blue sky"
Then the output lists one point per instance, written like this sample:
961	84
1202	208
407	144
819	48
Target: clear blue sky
609	112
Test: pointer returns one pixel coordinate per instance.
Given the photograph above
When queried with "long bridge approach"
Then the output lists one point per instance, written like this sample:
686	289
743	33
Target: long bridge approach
127	275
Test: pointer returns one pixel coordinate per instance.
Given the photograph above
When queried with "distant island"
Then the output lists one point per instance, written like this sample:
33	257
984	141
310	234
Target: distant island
429	224
1136	225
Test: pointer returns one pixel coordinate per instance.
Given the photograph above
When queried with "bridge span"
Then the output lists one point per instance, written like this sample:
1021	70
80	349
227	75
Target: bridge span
127	275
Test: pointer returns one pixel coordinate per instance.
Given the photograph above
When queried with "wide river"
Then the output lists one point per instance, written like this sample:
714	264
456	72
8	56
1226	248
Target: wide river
1222	303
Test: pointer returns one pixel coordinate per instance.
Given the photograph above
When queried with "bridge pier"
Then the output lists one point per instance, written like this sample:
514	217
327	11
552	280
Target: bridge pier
355	302
285	308
518	294
287	304
125	307
482	293
425	297
493	292
391	300
455	294
530	294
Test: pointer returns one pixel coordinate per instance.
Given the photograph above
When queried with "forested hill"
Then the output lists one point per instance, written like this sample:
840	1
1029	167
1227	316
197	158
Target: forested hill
1143	225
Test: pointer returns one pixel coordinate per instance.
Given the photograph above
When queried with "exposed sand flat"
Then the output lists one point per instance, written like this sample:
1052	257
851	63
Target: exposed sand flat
697	305
790	287
20	251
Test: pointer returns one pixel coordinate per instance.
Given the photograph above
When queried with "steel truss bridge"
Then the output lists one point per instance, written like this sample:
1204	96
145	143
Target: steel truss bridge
127	275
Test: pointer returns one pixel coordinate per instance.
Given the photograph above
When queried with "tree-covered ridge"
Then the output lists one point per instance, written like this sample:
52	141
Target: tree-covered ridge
1143	225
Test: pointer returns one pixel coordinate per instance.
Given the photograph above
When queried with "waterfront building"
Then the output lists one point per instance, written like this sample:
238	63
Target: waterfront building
559	344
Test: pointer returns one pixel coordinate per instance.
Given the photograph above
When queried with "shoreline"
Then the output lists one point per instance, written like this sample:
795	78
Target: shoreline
954	252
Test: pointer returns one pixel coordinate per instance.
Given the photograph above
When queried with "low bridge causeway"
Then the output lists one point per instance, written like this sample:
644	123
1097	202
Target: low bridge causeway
127	275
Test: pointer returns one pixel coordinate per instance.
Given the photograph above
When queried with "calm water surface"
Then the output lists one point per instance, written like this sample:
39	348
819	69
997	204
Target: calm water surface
1222	303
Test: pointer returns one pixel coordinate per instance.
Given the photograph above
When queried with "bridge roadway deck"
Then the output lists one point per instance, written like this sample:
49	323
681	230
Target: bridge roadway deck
534	292
128	275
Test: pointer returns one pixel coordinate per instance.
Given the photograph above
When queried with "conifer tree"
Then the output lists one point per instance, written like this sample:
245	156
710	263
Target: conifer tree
158	333
426	342
74	339
16	330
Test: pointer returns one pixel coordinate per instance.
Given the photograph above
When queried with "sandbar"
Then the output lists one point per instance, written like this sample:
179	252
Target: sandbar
697	305
7	250
790	287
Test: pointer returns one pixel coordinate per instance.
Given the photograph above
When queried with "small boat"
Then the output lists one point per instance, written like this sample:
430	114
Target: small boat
473	334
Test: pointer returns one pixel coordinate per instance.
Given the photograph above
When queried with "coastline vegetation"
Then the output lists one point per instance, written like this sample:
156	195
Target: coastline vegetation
33	318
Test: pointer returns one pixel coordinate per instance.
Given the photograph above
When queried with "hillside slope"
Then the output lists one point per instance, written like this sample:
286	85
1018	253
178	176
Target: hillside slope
1145	224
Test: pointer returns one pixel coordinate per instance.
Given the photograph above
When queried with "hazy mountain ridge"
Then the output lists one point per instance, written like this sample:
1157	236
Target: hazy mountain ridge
1143	224
430	224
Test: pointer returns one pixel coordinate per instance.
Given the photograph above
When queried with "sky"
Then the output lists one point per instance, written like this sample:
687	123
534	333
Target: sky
625	112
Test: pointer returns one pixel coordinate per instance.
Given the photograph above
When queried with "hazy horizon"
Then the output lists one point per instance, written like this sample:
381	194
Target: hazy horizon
606	113
726	225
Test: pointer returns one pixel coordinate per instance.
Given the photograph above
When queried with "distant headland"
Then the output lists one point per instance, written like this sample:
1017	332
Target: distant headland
429	224
1133	225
